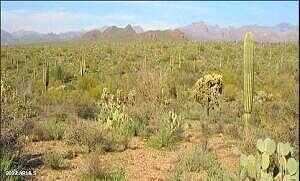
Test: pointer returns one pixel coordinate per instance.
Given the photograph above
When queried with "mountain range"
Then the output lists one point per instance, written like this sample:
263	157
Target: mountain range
278	33
199	31
23	36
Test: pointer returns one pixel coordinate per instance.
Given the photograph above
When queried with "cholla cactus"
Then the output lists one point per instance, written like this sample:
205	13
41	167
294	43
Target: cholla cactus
119	96
262	96
172	122
131	97
105	95
208	89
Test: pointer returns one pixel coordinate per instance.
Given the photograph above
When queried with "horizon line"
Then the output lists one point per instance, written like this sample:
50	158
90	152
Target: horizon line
163	29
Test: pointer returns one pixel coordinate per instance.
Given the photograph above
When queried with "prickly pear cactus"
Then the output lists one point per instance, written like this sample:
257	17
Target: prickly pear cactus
270	158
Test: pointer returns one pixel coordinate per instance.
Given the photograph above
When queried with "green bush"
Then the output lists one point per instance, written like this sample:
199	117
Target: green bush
58	73
87	111
168	133
87	134
54	160
86	82
114	117
7	164
95	170
49	130
201	160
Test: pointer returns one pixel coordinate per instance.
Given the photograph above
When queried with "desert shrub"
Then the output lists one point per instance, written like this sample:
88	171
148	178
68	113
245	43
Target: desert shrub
120	123
49	130
199	160
148	86
96	92
10	144
55	95
54	160
231	77
139	127
87	134
231	92
58	73
163	138
96	170
61	116
7	164
86	111
168	133
79	98
114	117
269	115
86	82
94	137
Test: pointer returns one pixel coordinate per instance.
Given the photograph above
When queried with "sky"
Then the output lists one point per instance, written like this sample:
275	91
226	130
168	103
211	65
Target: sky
57	17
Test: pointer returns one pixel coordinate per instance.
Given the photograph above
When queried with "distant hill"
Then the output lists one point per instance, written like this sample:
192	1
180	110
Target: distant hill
138	29
23	36
200	31
92	35
129	32
6	37
203	31
115	32
166	34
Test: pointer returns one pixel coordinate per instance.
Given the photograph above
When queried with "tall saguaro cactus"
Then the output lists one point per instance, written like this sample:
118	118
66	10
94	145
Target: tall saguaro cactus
82	66
248	76
171	63
46	75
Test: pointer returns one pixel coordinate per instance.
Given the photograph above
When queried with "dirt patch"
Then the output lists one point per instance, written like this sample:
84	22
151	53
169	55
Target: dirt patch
139	162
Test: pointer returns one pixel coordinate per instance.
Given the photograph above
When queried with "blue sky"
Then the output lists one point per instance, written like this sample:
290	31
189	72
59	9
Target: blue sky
65	16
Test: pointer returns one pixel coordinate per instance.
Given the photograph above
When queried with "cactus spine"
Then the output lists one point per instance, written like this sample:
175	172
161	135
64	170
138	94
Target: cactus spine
248	76
46	75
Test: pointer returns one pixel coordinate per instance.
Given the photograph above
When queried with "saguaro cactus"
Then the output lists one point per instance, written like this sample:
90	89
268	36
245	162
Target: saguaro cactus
17	65
171	62
180	61
248	76
82	66
46	75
